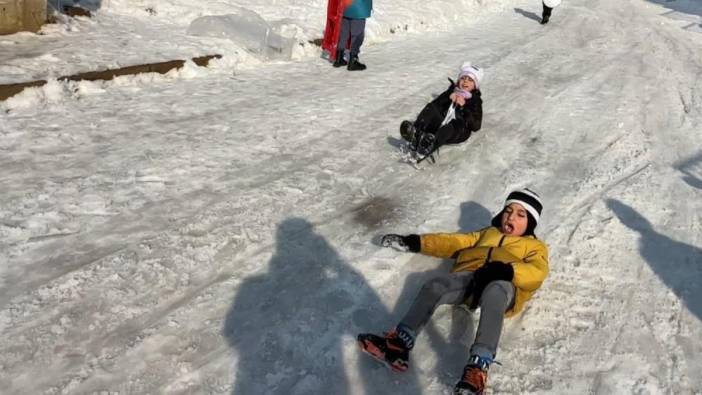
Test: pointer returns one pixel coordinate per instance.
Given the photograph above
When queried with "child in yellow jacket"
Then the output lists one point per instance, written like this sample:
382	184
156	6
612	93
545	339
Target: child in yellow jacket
497	268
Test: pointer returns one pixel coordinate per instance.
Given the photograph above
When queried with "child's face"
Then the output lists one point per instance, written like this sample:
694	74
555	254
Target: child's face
514	220
466	83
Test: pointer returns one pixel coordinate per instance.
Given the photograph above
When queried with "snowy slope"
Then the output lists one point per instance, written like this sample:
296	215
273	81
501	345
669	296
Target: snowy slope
212	230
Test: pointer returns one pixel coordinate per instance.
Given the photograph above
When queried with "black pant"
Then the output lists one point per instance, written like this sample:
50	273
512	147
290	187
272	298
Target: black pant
429	121
547	11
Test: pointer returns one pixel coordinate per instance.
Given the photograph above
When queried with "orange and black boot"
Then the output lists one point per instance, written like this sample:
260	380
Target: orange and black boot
392	350
474	379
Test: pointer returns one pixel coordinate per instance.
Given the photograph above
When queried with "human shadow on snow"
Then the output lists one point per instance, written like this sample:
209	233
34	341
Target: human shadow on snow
684	7
289	325
473	217
678	265
452	351
692	169
395	142
528	14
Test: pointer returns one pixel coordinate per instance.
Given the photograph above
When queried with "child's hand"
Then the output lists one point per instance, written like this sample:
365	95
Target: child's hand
396	242
409	243
458	99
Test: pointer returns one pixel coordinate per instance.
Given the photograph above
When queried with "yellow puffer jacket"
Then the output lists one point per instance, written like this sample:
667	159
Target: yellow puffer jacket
527	255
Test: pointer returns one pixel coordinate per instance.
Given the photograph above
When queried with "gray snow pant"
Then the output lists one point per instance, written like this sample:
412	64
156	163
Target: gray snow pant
353	30
450	288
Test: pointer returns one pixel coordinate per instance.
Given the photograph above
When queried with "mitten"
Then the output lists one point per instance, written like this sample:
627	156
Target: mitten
491	271
411	243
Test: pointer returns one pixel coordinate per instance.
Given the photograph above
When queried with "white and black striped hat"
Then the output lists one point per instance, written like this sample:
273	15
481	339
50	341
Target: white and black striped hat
528	199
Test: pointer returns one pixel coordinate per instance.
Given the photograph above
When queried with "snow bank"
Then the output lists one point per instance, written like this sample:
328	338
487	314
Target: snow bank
248	29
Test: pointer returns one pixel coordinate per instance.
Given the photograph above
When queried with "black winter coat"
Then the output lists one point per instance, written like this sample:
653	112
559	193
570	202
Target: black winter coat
469	116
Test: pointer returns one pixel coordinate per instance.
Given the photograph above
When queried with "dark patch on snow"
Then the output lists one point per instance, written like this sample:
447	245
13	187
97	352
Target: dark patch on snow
376	211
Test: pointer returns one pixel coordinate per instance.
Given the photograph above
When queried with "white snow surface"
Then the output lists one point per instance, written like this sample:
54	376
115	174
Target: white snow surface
214	230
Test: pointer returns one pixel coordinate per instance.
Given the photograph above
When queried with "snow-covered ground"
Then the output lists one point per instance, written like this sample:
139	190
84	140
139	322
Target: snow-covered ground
213	230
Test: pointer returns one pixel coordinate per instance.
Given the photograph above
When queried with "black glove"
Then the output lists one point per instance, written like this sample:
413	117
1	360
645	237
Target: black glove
491	271
410	243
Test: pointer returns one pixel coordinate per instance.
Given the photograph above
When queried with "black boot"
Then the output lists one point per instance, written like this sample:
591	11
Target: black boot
339	61
425	144
355	65
409	133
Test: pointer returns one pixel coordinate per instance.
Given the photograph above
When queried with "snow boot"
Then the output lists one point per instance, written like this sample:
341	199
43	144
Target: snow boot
340	61
425	144
392	350
355	65
409	134
474	379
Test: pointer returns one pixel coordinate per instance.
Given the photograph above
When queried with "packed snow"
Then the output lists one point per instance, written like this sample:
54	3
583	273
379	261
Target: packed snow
214	229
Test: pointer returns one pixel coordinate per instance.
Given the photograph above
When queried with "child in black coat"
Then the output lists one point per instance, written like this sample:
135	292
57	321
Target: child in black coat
451	117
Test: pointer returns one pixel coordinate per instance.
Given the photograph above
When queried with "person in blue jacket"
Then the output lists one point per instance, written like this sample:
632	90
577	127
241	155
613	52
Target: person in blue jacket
353	26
